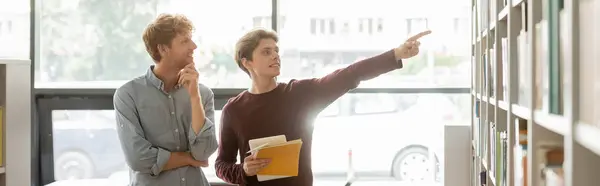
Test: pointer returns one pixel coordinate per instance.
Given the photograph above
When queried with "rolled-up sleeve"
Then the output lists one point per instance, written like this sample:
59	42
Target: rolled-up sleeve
204	144
140	155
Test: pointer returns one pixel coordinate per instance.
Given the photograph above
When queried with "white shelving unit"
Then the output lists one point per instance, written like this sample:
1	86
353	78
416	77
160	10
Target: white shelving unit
536	85
15	100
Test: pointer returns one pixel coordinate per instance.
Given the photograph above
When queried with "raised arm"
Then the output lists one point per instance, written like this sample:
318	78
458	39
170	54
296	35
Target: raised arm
203	142
330	87
326	89
226	164
140	154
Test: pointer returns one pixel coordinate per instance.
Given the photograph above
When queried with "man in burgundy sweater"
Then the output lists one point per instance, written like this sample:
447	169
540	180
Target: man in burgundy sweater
270	108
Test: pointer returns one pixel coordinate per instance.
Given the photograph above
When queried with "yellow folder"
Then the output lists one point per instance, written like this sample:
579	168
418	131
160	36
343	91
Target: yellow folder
284	156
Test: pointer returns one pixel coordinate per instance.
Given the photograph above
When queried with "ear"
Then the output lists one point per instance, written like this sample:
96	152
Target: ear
162	49
246	63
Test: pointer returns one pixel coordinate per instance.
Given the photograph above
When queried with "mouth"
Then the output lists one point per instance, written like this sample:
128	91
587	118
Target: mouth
276	65
191	55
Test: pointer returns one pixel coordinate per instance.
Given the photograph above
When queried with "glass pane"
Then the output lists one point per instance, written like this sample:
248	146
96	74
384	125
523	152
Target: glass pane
14	29
108	49
86	145
319	41
392	145
87	150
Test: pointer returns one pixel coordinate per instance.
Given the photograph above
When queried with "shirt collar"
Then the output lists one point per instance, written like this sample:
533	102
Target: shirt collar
155	81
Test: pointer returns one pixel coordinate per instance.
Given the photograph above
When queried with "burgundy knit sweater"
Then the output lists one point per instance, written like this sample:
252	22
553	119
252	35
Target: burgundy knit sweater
289	109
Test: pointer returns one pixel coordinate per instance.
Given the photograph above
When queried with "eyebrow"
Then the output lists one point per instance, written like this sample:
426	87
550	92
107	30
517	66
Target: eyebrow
269	48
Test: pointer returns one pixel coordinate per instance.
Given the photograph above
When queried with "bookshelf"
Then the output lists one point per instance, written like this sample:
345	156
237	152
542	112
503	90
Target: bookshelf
535	92
15	122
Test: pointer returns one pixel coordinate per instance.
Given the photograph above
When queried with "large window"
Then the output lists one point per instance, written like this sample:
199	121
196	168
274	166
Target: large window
98	44
91	44
86	147
109	49
312	47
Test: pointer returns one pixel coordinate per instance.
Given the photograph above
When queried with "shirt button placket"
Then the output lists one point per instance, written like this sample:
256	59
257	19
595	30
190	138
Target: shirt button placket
174	119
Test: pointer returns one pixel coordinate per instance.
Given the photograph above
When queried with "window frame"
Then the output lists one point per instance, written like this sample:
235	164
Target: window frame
48	100
45	100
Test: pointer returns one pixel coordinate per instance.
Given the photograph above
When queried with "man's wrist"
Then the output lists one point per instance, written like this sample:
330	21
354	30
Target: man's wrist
188	158
196	96
397	54
195	92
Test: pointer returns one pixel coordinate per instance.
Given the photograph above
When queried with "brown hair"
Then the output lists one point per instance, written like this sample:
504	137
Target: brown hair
248	43
162	31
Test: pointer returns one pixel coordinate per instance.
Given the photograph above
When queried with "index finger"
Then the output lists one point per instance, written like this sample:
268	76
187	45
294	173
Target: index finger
419	35
250	157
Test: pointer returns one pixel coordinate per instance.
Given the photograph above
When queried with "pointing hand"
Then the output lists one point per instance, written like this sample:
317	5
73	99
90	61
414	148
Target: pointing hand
410	47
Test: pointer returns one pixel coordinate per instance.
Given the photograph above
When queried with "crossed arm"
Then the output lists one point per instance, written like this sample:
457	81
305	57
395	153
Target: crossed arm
144	157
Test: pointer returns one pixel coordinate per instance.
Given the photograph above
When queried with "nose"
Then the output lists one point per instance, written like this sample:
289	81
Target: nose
275	55
194	46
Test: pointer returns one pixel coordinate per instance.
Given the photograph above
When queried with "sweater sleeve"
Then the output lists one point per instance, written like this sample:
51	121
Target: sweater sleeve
226	167
323	91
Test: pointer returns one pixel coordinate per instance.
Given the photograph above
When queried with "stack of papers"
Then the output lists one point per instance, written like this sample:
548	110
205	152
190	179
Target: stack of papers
284	156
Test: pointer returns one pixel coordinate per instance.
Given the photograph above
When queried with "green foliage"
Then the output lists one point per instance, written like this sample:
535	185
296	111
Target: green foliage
95	39
225	59
447	60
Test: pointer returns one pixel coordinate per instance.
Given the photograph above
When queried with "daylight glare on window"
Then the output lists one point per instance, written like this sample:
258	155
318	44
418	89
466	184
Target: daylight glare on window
97	44
108	49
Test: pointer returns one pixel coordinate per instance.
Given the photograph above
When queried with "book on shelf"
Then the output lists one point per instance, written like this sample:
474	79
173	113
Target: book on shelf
540	89
284	156
505	72
485	70
492	134
520	153
483	9
524	70
491	71
552	170
547	59
500	168
474	73
554	176
479	143
554	76
476	130
504	153
564	46
498	149
493	13
483	178
484	138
